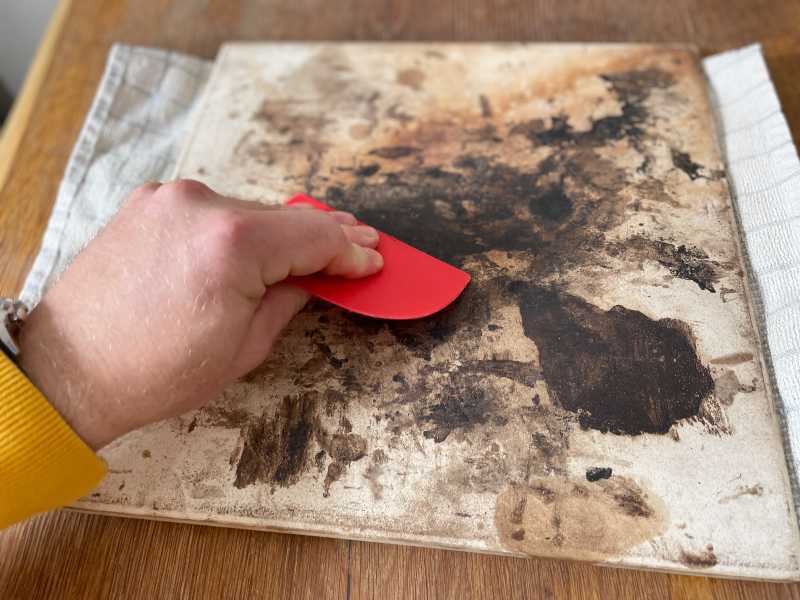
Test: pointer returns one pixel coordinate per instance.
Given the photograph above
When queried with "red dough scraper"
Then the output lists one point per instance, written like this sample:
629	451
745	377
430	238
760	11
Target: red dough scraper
411	284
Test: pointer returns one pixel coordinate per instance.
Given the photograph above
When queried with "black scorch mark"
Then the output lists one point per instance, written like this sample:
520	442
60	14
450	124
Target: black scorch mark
683	262
684	162
597	473
462	406
631	89
636	375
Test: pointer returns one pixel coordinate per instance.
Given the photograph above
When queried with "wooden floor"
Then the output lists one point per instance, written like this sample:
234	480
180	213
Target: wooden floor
69	555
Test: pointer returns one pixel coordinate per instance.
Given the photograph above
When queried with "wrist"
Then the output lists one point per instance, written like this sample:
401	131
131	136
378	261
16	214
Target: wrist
53	362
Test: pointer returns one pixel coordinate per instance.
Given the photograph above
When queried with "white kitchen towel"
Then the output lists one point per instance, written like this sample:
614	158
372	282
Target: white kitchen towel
135	128
132	134
764	175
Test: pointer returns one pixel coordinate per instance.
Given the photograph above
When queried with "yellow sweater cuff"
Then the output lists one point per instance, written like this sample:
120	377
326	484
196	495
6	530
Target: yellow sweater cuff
43	463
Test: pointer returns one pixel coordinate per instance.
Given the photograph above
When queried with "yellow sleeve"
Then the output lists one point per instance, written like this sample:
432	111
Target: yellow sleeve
43	463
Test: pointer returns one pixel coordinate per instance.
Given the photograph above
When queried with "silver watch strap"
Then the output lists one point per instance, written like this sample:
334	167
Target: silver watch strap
12	315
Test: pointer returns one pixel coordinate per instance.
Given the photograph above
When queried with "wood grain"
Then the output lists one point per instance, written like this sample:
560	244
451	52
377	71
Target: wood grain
68	555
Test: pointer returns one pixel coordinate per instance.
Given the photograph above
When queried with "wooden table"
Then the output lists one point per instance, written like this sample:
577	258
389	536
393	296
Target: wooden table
70	555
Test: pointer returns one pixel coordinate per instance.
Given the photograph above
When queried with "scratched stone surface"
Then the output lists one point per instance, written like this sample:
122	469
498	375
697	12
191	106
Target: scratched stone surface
597	392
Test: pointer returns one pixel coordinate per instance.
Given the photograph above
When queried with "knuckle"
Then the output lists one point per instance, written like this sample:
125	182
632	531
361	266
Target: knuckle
227	230
185	190
331	233
220	245
145	190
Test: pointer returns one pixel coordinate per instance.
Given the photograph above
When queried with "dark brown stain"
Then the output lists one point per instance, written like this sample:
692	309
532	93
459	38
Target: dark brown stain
704	559
375	471
276	445
412	78
684	162
486	106
319	460
735	358
146	454
639	375
367	170
394	152
334	400
598	473
217	415
192	425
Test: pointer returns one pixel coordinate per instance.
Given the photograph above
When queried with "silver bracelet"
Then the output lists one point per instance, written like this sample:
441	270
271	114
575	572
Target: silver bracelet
12	317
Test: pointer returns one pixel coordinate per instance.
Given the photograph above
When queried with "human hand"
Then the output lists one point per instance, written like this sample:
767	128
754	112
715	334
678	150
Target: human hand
177	296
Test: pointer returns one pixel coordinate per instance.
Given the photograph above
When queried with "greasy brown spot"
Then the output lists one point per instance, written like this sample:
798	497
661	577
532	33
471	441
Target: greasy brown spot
727	386
575	521
744	490
412	78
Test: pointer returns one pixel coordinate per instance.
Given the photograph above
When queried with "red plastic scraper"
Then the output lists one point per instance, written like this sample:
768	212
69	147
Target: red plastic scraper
411	284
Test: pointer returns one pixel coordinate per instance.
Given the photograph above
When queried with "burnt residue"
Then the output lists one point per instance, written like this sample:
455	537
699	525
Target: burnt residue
408	203
276	445
632	89
367	170
703	559
466	316
682	261
463	404
684	162
638	375
279	446
532	208
523	372
326	351
598	473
